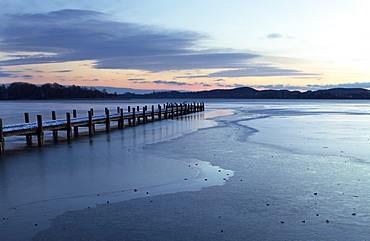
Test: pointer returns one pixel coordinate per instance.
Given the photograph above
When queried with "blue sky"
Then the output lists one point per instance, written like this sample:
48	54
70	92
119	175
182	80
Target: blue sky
192	45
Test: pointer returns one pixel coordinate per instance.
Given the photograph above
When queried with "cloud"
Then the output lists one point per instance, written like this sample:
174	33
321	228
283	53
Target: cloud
91	80
62	71
277	36
4	75
274	35
364	85
135	79
230	86
163	82
253	71
170	82
27	76
74	35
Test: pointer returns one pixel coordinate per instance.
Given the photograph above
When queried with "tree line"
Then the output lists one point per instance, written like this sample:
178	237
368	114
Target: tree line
27	91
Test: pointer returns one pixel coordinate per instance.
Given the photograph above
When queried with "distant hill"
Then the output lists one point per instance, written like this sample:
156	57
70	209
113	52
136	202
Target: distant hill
250	93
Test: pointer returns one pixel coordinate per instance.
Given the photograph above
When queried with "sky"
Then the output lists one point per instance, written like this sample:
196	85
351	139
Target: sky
187	45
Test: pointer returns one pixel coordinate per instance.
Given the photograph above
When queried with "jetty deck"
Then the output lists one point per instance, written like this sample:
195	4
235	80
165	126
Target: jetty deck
131	117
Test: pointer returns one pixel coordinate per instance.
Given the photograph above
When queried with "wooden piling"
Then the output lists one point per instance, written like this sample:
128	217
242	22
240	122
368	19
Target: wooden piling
129	110
40	131
75	128
107	122
54	117
121	123
172	111
28	136
69	126
90	123
92	114
159	112
2	143
133	117
166	112
152	112
144	116
138	118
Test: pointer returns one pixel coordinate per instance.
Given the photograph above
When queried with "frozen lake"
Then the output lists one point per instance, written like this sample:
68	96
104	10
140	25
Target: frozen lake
243	169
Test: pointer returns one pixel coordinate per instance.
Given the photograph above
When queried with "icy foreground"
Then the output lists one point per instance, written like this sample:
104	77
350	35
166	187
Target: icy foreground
299	174
288	170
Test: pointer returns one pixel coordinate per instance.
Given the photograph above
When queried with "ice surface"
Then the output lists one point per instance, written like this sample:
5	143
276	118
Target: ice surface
37	185
299	171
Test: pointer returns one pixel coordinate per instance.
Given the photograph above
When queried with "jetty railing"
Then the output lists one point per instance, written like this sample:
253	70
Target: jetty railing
132	117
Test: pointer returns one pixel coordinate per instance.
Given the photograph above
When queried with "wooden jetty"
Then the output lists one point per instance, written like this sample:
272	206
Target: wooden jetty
131	117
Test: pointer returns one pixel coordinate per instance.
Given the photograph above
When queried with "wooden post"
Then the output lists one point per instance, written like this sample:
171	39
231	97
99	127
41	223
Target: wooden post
54	117
172	111
177	109
129	110
2	140
137	114
92	114
144	115
40	132
121	120
152	112
75	128
90	125
107	122
166	112
28	136
69	126
159	112
133	117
